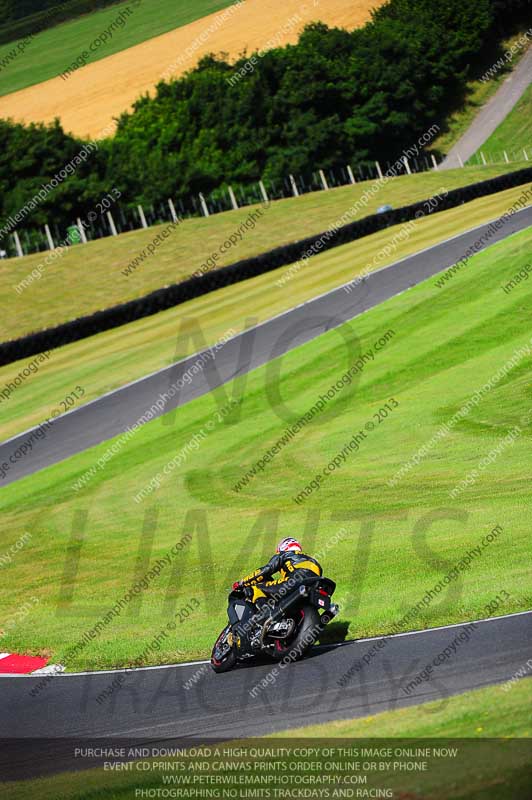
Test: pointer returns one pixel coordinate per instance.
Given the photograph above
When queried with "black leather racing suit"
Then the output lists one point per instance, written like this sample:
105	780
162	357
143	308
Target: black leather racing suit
262	590
288	565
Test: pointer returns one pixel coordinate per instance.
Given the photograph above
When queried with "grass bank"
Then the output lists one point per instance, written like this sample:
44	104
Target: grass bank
446	345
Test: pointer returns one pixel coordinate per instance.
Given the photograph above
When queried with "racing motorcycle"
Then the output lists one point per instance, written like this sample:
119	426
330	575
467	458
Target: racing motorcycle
290	627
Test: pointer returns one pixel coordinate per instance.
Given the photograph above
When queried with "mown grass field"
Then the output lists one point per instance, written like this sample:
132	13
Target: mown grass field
112	359
53	50
515	132
447	343
89	277
500	772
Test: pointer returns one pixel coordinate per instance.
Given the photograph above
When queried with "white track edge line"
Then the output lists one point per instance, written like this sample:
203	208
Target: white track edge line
324	646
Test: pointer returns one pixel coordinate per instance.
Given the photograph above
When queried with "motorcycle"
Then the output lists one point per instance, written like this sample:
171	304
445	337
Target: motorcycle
292	625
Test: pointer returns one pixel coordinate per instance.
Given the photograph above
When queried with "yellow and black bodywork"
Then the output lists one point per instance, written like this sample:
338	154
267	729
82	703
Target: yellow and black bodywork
286	564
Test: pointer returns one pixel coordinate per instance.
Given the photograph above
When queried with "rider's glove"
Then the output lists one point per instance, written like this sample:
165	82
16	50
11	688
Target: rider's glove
237	585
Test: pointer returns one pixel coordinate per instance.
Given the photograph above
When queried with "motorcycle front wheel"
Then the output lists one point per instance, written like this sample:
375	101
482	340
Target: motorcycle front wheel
223	657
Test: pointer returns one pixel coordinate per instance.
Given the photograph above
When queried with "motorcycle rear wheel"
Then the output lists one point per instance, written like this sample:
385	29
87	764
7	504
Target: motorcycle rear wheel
223	663
307	618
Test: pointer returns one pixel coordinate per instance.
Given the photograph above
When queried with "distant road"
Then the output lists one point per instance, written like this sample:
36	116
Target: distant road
114	413
492	114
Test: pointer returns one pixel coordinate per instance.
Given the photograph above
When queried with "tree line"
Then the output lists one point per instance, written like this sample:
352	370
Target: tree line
335	97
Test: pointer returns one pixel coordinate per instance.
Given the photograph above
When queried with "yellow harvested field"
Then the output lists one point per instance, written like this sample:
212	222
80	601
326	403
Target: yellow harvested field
93	96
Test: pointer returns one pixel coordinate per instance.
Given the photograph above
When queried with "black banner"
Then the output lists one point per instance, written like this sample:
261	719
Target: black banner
292	768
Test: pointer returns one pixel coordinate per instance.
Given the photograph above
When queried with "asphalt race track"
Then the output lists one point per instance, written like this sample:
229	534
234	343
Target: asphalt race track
153	705
113	413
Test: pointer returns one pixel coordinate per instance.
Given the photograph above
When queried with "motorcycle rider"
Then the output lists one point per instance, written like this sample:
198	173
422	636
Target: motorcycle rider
291	563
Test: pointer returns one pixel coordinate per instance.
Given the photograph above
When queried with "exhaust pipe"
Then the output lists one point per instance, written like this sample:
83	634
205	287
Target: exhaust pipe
327	616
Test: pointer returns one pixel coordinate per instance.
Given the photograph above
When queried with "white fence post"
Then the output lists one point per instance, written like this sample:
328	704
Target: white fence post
350	173
525	154
379	170
203	205
460	160
407	165
264	192
18	246
294	186
51	244
142	217
233	199
324	180
434	162
81	229
506	157
172	209
112	224
483	157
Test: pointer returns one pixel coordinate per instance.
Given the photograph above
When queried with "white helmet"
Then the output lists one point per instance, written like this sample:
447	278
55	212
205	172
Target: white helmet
289	544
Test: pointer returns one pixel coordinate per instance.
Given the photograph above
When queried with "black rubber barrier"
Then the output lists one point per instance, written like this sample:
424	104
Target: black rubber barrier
171	296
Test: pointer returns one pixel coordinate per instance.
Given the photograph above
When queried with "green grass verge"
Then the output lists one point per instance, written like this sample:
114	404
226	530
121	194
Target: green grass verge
89	277
493	771
447	344
492	712
104	362
52	51
490	771
515	132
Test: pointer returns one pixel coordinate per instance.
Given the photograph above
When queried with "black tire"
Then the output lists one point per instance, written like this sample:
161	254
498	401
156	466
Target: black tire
226	662
298	645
